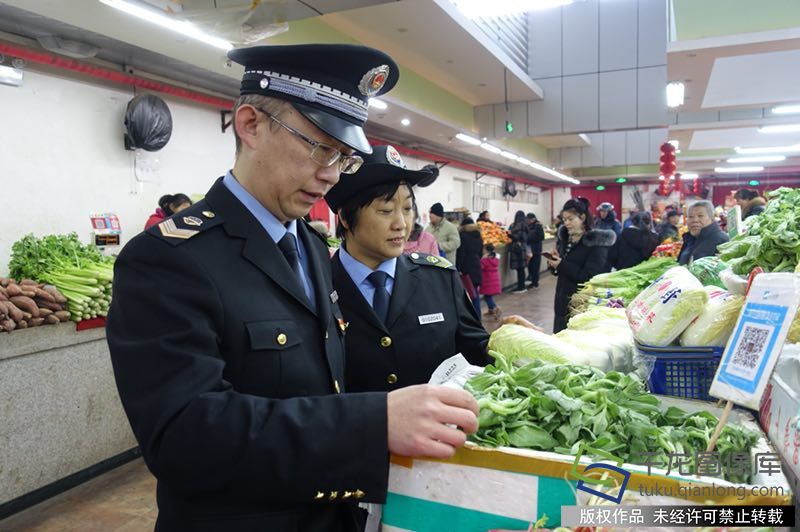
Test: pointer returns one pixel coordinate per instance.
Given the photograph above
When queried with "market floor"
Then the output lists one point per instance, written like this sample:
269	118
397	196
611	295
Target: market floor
123	500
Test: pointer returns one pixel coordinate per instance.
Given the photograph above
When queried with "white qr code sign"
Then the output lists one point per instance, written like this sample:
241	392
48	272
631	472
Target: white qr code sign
757	340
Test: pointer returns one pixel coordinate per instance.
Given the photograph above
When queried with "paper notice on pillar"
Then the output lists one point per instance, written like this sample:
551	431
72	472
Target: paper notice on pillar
455	372
757	340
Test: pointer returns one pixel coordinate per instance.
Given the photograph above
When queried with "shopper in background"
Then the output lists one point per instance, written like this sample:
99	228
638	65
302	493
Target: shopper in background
406	313
469	259
581	253
518	249
445	232
751	203
225	332
607	218
704	233
491	284
167	206
535	239
669	226
419	240
484	217
636	243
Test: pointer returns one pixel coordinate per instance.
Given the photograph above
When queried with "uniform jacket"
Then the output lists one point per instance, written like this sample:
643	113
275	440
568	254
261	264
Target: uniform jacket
490	271
470	251
757	206
586	259
430	319
704	245
519	245
447	237
230	381
632	247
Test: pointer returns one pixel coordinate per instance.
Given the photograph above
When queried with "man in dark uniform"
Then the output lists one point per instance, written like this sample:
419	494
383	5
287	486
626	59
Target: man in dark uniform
226	335
406	313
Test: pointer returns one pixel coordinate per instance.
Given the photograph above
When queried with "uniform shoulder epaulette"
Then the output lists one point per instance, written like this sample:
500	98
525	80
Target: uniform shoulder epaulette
186	224
424	259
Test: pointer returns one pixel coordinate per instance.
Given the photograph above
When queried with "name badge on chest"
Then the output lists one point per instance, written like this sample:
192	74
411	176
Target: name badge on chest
430	318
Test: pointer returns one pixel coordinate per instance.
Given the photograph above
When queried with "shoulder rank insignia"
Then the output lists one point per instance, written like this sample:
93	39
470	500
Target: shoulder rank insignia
169	229
431	260
192	220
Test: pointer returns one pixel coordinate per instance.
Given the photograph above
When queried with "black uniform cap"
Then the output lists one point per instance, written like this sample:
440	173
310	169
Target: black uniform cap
330	84
383	166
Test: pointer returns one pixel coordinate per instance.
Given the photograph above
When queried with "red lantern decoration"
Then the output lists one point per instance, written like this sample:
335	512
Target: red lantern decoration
678	183
668	166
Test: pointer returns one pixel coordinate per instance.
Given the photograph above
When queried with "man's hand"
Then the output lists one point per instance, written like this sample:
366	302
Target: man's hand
418	418
519	320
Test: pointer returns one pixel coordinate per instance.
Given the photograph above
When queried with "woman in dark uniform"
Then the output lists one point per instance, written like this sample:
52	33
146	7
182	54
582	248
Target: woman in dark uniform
405	314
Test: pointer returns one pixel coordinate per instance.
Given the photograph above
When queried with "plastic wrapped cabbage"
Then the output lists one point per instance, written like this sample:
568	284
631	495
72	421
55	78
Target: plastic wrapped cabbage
615	352
707	270
714	326
599	317
664	309
521	344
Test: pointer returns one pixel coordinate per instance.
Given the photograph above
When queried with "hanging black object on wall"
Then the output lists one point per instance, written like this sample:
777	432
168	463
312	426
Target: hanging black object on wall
509	188
148	123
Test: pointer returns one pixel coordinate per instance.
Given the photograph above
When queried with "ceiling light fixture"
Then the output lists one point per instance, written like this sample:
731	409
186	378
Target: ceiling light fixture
781	128
553	173
492	149
179	26
757	159
770	149
469	140
737	169
405	122
675	143
523	160
675	94
690	176
509	155
378	104
498	8
786	109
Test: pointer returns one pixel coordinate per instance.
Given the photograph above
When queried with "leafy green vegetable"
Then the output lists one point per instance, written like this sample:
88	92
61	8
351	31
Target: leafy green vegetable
707	270
772	240
556	407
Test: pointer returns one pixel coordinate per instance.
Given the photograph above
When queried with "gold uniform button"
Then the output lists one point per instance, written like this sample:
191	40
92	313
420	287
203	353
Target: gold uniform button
359	494
281	339
319	495
333	496
347	494
336	386
392	378
386	341
208	214
326	335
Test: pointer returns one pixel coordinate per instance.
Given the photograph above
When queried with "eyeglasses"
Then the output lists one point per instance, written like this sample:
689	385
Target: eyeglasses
322	154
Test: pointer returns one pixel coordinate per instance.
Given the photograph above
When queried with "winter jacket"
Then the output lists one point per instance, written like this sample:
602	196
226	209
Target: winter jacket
425	243
155	218
704	245
632	247
609	223
667	230
757	206
490	273
579	263
518	249
446	235
470	251
535	237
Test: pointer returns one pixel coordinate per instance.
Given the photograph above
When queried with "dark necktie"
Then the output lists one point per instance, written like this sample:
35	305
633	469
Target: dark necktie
380	301
288	246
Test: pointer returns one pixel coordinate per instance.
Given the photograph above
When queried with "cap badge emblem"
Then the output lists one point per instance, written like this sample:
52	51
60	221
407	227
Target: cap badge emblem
264	83
373	81
393	157
192	220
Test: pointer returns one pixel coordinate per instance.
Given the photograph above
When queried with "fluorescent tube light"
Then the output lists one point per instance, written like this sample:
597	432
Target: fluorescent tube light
509	155
738	169
378	104
523	160
406	122
675	143
675	94
492	149
689	176
179	26
469	140
770	149
757	159
781	128
786	109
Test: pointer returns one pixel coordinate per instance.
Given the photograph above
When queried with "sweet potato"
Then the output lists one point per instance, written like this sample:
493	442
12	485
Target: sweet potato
26	316
62	315
9	325
44	294
30	282
26	304
3	296
52	290
49	305
22	324
14	312
35	322
13	290
5	281
27	291
43	312
51	319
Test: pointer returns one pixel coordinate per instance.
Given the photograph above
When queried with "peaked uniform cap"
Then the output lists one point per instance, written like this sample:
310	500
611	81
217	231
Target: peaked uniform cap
329	84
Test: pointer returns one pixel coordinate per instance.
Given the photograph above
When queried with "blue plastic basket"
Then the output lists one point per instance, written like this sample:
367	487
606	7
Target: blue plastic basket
682	371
